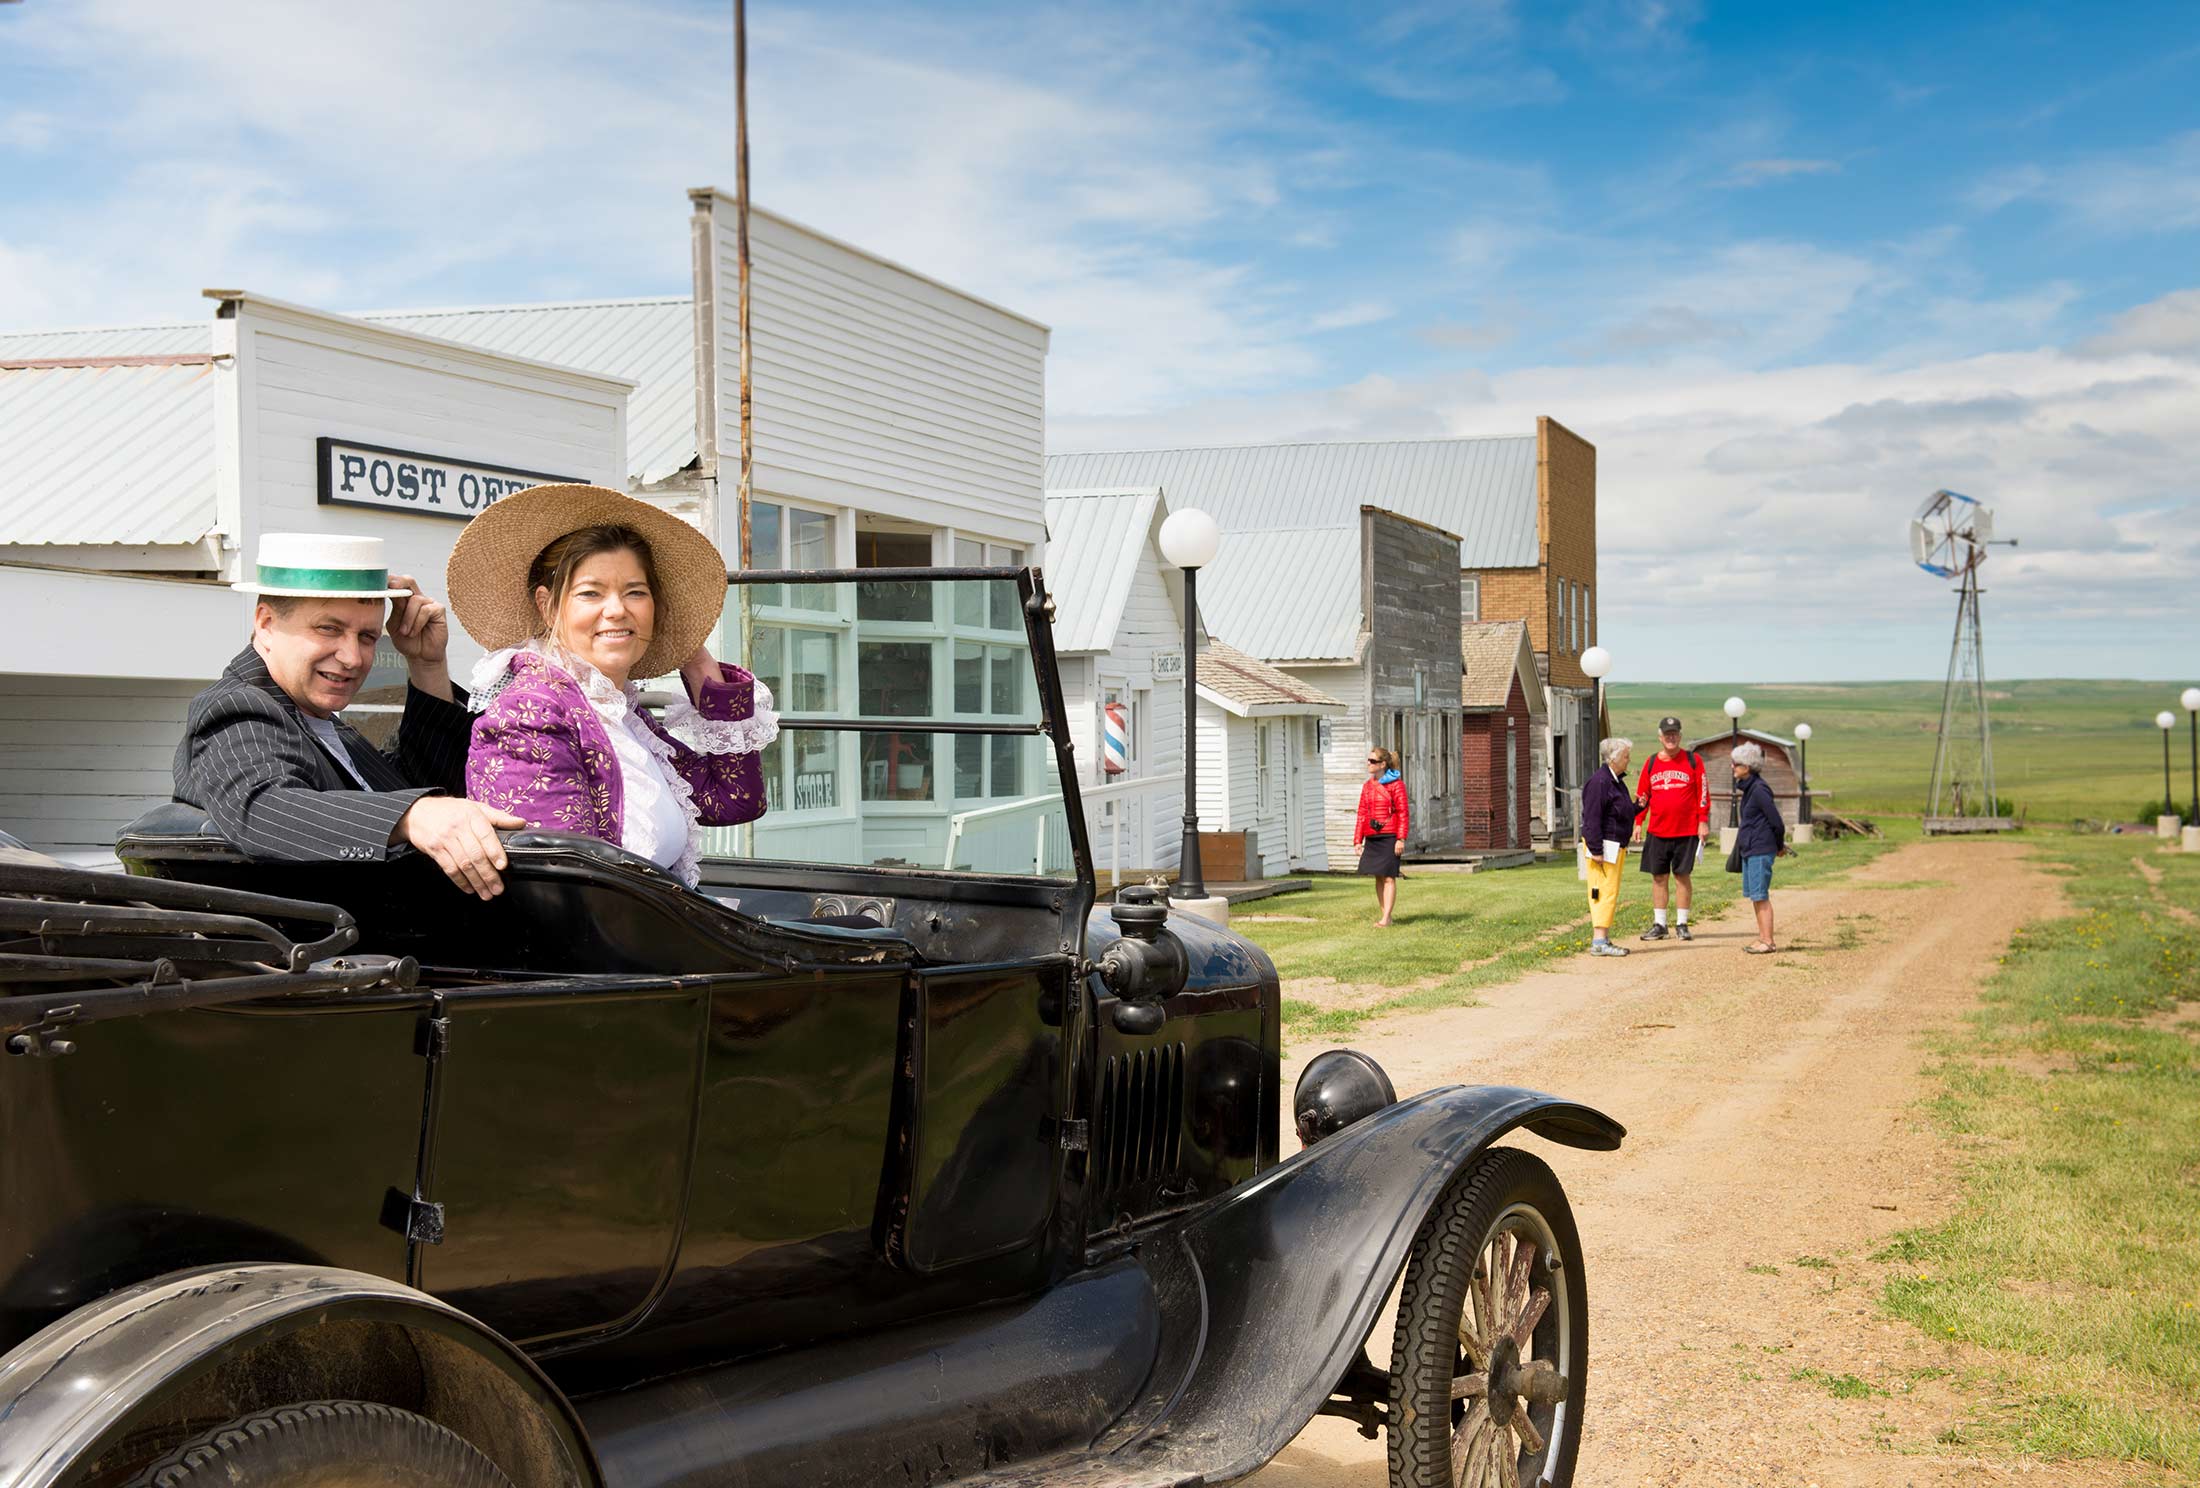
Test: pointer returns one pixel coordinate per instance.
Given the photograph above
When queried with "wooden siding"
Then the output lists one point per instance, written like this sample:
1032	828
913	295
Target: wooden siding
1151	622
876	388
80	757
1340	769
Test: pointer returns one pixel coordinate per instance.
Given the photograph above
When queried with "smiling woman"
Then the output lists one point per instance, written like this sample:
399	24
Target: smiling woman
584	592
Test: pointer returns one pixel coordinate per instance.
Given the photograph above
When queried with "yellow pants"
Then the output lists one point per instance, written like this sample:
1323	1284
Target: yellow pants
1604	890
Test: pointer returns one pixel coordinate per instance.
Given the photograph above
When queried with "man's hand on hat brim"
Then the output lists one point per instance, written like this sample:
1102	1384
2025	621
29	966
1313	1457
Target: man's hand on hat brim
421	632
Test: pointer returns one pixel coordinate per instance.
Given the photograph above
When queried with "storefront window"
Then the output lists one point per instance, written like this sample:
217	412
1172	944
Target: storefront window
894	678
907	602
897	766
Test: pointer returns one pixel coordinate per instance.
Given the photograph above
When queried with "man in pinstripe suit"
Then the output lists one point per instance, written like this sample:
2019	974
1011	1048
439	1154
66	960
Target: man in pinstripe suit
284	778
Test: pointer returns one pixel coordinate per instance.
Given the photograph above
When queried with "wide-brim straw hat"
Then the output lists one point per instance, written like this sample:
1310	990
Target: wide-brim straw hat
487	576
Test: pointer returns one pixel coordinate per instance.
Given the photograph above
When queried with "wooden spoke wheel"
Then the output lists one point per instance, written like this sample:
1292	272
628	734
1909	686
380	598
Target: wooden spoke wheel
1490	1360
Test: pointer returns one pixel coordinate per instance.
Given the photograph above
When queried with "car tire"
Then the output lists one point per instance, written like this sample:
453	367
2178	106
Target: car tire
326	1444
1505	1213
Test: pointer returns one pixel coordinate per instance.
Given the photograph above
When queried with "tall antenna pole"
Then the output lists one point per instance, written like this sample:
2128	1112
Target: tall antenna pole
741	252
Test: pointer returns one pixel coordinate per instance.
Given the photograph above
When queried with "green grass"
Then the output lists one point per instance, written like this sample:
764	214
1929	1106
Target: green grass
1839	1386
1457	932
2062	749
2076	1252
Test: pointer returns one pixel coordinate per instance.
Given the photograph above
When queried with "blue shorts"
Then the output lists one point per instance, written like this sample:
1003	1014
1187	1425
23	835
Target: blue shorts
1757	878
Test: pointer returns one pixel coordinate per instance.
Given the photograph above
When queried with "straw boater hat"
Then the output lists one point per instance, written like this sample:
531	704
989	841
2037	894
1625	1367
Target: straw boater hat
318	566
487	577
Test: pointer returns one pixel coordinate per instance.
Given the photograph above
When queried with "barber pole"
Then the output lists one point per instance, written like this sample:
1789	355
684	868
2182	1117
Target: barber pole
1115	740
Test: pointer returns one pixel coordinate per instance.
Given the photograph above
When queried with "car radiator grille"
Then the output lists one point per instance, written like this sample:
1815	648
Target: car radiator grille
1139	1133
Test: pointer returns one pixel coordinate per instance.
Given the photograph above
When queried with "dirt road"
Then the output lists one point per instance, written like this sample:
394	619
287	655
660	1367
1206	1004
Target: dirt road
1774	1141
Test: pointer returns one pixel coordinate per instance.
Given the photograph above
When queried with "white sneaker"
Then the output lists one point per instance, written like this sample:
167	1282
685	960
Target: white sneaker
1606	948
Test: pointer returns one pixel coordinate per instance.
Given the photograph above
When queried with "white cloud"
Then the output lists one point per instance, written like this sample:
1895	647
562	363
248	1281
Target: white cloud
1359	313
2170	325
2154	190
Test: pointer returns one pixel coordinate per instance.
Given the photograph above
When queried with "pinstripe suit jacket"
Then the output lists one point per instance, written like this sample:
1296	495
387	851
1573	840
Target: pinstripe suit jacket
247	761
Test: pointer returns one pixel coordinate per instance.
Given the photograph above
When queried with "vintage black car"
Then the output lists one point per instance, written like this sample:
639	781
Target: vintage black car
882	1157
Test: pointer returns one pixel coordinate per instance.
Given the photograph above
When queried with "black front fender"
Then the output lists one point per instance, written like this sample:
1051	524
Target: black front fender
1290	1271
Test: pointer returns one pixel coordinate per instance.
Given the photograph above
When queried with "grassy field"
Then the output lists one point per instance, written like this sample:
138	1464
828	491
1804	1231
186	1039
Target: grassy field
1455	932
2062	750
2076	1254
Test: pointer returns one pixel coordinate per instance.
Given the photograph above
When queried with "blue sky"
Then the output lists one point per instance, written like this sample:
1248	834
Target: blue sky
1789	267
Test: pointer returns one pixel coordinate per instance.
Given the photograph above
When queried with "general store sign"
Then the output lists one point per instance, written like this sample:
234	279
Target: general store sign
410	481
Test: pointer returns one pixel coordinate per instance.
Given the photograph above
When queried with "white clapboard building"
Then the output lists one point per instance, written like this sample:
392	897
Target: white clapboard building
898	421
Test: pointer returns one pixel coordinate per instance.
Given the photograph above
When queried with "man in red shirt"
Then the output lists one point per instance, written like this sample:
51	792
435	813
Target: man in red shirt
1673	784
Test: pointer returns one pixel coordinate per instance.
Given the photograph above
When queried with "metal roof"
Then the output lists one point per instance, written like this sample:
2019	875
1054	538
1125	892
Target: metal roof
107	341
1244	684
651	341
107	454
1288	595
1101	537
1484	489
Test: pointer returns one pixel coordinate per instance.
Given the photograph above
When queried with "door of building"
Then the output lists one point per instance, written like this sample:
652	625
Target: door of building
1512	783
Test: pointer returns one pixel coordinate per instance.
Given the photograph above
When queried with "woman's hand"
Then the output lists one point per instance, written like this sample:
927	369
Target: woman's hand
699	670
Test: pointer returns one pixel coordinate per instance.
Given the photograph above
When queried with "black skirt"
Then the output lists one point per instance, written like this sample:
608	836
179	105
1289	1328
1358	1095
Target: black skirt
1379	855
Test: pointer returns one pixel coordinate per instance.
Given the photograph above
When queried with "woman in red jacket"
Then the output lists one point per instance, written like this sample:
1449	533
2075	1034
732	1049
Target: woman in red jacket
1380	826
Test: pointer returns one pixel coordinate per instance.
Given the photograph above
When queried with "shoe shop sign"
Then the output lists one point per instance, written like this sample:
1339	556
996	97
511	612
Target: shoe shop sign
410	481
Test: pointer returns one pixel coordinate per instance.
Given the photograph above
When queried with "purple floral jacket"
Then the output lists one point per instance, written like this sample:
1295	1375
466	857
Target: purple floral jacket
540	751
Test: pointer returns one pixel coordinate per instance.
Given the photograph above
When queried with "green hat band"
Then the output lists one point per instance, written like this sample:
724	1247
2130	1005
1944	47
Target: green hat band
327	579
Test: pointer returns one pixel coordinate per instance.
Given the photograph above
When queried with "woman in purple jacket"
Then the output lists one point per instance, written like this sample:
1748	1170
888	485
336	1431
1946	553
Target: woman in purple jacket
579	592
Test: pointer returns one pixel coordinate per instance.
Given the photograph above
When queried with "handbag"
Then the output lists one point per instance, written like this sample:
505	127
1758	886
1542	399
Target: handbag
1734	858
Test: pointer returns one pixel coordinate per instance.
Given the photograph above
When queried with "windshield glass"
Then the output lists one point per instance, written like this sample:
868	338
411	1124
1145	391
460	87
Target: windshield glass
909	727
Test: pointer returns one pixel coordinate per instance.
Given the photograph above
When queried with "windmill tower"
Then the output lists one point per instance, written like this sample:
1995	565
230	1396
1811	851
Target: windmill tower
1948	538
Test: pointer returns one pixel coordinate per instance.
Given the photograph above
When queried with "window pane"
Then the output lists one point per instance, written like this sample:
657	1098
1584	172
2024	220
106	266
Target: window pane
816	768
897	767
969	767
894	679
775	761
765	536
767	659
813	690
1009	667
969	677
970	596
809	545
898	601
1008	760
1005	616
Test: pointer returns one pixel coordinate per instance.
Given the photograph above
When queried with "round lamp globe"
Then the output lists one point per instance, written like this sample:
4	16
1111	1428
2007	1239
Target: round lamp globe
1595	662
2165	719
1735	707
2190	697
1189	538
1802	731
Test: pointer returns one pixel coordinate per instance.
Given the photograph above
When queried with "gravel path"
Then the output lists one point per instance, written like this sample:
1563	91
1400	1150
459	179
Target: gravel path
1771	1104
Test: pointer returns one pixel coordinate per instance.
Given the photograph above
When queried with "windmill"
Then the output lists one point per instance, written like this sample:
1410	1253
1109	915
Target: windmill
1949	537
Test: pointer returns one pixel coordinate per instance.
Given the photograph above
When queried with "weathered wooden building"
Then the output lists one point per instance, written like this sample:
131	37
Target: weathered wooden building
1367	614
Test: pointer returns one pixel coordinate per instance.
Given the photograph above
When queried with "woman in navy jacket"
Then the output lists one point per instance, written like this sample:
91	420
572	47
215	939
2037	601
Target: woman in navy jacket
1762	838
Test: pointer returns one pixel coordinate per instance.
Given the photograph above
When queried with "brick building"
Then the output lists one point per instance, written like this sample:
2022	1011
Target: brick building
1500	716
1524	506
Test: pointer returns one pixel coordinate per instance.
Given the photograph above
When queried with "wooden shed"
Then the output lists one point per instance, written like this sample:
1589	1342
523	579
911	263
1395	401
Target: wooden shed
1778	770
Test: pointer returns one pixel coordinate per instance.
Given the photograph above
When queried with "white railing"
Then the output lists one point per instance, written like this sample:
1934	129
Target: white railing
991	833
1002	833
1111	806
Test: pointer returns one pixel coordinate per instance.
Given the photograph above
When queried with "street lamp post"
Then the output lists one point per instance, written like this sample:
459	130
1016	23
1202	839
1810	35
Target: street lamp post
1735	708
1189	539
2165	824
2190	697
1802	772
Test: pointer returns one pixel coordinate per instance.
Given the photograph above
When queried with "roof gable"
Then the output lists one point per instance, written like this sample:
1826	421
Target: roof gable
1101	538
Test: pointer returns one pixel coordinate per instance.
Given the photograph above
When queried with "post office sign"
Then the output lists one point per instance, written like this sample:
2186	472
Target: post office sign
410	481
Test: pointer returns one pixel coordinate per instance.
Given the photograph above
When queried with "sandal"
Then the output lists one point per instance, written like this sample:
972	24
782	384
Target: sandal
1759	949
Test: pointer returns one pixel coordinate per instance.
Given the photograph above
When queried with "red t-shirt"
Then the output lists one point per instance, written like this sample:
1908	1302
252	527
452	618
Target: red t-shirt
1680	796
